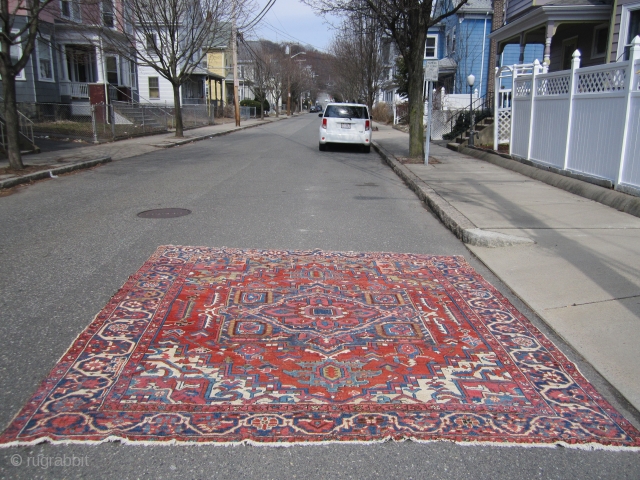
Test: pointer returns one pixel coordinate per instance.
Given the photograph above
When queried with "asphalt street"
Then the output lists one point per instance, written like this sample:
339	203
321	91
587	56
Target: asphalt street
68	244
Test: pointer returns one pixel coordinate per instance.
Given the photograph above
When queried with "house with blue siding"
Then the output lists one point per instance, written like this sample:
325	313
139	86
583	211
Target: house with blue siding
434	50
461	45
467	45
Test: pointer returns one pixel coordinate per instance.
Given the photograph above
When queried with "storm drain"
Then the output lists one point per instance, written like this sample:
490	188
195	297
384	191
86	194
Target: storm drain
164	213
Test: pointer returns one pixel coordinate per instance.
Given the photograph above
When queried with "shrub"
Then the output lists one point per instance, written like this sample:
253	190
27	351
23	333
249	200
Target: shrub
382	113
265	105
229	110
252	103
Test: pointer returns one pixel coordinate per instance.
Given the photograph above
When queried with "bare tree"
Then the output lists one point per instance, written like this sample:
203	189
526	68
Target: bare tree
20	21
169	36
262	70
406	22
301	79
358	65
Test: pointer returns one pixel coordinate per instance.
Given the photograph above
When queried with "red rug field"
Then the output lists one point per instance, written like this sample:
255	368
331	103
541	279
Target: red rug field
217	345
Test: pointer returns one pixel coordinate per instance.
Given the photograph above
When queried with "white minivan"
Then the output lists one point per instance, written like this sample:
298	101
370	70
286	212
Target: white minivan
345	123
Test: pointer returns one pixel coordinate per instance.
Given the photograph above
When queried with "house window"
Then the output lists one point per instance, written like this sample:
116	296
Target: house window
634	25
154	87
70	9
16	54
112	70
629	28
132	73
569	46
151	41
45	60
634	29
108	18
431	50
65	8
600	41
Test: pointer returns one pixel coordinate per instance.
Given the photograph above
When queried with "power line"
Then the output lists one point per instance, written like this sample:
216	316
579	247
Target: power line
260	15
281	32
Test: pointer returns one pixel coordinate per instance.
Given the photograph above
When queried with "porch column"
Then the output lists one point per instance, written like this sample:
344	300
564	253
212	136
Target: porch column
550	31
100	65
64	67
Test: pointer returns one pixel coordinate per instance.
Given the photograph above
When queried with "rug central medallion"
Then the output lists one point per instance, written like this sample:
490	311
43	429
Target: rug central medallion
224	345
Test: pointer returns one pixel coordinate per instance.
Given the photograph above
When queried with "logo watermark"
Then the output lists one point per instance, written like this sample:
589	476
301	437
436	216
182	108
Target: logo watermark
49	461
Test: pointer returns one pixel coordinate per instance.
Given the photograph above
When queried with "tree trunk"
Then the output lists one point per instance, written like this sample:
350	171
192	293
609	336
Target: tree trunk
415	92
12	122
177	111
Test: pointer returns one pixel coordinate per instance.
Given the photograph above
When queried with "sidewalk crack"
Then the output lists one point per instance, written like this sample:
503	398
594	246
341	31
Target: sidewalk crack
594	303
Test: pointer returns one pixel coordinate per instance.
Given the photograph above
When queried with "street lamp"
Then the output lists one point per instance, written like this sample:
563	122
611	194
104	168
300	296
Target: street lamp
471	79
289	78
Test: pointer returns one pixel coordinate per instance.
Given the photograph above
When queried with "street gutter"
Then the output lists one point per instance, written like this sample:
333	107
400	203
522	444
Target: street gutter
51	172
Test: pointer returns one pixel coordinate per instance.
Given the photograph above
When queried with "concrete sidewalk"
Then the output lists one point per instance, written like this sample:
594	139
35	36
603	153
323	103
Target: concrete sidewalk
88	155
574	261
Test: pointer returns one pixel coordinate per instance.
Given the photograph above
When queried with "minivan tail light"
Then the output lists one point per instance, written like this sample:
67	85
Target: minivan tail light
324	123
367	125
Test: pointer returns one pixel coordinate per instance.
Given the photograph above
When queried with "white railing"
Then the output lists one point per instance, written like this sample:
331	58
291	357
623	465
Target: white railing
503	99
25	127
74	89
583	120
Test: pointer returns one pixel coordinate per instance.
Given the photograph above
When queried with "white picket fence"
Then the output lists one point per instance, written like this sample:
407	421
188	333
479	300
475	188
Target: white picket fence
583	120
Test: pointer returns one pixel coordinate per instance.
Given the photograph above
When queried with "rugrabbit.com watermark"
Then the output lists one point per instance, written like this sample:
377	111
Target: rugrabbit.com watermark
49	461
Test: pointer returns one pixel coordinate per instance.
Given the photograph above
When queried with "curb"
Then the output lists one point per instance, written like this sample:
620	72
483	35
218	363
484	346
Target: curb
461	226
212	135
12	182
620	201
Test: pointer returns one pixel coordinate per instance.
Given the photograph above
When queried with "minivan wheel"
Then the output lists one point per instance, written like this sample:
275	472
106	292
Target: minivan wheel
366	148
322	147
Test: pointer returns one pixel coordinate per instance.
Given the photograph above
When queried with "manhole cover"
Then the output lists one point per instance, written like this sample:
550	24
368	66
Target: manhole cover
165	213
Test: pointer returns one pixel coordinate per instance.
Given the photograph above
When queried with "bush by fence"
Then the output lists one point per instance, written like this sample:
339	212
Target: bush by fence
382	113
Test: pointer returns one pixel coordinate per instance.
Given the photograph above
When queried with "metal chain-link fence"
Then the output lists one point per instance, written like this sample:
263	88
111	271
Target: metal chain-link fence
107	122
443	122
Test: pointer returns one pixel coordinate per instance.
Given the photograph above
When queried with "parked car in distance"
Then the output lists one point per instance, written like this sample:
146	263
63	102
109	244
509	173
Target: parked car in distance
345	123
315	108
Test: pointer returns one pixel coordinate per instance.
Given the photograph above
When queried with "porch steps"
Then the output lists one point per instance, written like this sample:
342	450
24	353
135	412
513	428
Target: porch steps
484	130
136	115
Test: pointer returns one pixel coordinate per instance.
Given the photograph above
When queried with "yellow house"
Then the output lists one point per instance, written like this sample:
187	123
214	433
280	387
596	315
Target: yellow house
220	69
218	63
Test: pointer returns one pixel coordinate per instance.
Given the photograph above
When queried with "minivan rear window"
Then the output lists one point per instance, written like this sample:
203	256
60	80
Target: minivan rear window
345	111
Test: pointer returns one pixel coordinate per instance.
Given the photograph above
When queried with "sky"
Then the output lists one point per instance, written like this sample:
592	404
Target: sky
293	21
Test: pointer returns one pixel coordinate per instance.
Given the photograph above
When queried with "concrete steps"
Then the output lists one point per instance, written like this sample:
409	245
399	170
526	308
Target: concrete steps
136	115
484	136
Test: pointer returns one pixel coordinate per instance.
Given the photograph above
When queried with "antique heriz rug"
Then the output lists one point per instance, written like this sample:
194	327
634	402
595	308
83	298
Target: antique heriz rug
208	345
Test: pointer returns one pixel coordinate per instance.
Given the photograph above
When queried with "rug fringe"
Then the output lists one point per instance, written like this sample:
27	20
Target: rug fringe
247	442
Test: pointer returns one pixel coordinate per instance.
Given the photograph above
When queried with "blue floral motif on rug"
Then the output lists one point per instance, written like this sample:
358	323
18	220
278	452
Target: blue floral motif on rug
220	345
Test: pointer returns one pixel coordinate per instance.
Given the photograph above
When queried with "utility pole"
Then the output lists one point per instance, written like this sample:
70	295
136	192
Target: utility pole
234	46
287	51
290	64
